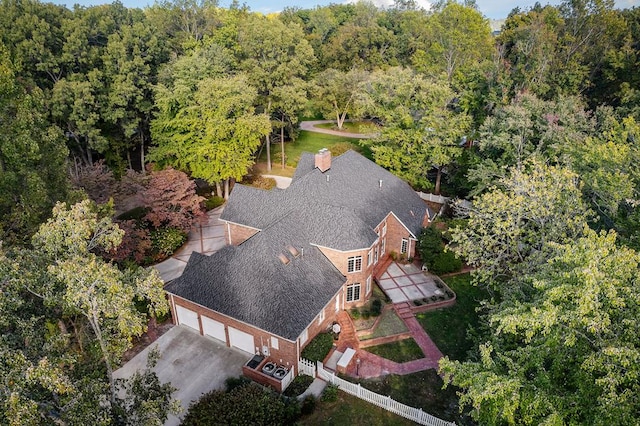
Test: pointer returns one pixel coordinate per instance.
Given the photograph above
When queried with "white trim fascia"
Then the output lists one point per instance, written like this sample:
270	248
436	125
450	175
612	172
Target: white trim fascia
405	226
235	319
344	251
239	224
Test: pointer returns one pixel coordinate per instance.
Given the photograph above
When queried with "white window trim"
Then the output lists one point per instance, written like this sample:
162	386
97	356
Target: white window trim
375	255
383	246
370	257
384	229
404	246
353	286
274	343
354	259
368	288
304	337
321	316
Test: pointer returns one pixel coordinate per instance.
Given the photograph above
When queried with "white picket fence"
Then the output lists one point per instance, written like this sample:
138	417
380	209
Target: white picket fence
432	197
307	367
416	414
286	380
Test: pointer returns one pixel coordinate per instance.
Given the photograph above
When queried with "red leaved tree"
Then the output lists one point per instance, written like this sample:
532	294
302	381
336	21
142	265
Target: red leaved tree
172	201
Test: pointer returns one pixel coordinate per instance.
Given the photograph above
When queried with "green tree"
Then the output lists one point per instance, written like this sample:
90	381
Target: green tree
511	225
211	132
460	39
276	59
566	351
421	128
335	92
88	286
32	158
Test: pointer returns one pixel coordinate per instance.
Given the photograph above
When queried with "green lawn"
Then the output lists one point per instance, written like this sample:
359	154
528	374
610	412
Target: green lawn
350	127
401	351
448	327
311	142
349	410
419	390
388	325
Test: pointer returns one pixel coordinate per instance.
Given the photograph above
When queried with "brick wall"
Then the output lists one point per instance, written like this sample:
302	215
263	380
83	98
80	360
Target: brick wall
286	354
236	234
395	233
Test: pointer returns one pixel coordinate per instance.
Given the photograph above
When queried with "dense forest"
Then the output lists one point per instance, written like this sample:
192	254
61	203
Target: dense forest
107	114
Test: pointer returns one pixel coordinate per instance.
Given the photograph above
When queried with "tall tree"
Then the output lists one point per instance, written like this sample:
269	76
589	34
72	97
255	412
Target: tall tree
511	225
274	56
32	158
565	351
335	93
88	286
210	133
421	128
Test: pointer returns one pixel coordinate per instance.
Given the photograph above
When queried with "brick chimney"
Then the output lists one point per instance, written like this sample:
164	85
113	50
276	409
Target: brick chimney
323	160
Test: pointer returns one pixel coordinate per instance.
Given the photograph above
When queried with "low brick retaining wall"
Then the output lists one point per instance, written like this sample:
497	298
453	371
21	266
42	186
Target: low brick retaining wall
385	339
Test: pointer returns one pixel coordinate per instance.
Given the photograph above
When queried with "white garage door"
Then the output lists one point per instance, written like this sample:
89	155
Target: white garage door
187	317
241	340
213	328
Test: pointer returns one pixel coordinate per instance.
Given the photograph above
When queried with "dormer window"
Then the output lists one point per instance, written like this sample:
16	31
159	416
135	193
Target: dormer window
354	264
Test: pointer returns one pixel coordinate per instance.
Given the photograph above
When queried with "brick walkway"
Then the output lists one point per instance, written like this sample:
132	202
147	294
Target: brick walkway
374	366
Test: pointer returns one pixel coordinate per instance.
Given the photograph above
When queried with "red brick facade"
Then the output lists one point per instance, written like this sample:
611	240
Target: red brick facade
236	234
287	352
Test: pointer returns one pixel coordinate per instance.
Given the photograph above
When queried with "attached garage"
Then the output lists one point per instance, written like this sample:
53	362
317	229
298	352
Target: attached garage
187	317
213	328
241	340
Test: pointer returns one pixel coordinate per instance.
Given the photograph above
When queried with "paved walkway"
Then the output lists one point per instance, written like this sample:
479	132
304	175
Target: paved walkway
282	182
206	238
406	282
375	366
310	127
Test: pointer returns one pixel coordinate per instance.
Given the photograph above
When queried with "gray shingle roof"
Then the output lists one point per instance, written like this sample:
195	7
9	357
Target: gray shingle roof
337	209
351	184
251	284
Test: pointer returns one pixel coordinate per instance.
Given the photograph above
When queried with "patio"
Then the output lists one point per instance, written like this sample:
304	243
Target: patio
406	282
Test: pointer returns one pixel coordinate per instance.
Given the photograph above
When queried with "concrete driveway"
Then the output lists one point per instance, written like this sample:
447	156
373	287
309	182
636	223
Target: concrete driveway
192	363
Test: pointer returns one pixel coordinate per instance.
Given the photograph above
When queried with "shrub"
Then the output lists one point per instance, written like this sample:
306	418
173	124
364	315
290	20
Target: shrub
263	183
354	313
299	385
318	348
233	382
330	393
365	314
308	405
446	262
213	202
393	255
376	307
244	404
136	213
166	241
340	148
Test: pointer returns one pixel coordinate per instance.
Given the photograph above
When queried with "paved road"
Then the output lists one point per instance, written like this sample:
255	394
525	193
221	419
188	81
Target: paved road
310	127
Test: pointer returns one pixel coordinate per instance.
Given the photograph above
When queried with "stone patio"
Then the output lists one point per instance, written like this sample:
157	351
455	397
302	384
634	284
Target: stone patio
404	283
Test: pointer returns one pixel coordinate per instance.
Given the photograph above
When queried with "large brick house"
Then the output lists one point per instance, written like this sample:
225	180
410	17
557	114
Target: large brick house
298	256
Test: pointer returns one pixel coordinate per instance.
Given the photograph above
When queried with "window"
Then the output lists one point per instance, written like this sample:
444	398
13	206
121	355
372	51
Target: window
384	230
375	255
321	316
368	288
354	264
274	343
353	292
304	337
370	257
382	246
404	247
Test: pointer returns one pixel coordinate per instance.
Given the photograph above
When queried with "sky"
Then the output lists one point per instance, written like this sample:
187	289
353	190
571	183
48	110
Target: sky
492	9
